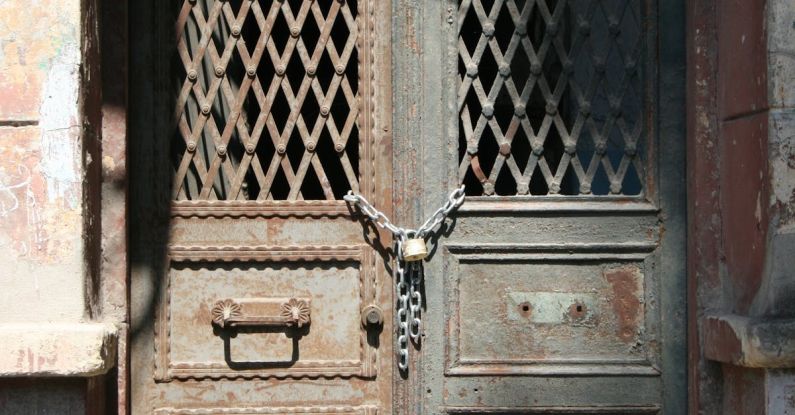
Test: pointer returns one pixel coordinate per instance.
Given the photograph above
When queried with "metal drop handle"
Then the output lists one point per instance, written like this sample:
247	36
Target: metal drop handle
292	313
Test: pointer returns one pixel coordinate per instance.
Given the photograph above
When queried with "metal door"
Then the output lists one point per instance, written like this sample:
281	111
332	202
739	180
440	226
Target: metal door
559	285
254	290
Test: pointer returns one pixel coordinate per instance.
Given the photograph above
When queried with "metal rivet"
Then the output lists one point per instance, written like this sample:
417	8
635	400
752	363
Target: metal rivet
280	69
295	31
519	110
630	66
310	70
472	149
505	149
324	110
310	145
585	29
505	69
568	66
235	30
521	29
340	69
219	71
281	149
193	75
631	149
570	148
538	149
585	109
488	188
522	187
535	68
613	27
339	147
472	70
250	148
191	146
221	150
551	108
552	29
601	148
488	110
554	188
585	188
251	71
488	29
599	65
206	109
615	188
615	108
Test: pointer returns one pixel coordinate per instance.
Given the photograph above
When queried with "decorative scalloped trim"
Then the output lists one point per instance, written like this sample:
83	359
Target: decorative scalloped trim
228	253
261	208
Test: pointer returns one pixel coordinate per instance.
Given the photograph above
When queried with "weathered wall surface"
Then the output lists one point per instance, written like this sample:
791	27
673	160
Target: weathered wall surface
40	162
44	320
742	199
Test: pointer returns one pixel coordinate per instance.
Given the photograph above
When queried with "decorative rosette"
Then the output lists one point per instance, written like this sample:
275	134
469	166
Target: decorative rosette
223	310
297	311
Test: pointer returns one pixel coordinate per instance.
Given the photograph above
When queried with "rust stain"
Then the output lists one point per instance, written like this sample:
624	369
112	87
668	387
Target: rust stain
526	309
578	311
626	304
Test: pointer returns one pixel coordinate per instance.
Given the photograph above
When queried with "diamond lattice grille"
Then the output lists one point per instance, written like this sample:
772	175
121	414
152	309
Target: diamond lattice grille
268	104
551	99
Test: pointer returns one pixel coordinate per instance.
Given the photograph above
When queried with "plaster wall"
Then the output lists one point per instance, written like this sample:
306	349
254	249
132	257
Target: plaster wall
41	243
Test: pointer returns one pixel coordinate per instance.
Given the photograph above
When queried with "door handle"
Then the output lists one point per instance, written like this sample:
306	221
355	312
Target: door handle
292	313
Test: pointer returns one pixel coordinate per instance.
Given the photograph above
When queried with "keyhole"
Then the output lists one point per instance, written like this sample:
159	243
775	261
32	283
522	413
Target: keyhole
579	308
527	308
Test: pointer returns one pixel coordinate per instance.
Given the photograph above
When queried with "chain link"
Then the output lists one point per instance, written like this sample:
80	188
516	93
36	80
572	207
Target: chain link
409	297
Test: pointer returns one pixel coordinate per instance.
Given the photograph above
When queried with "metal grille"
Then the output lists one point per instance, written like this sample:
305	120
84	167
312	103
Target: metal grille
267	106
551	99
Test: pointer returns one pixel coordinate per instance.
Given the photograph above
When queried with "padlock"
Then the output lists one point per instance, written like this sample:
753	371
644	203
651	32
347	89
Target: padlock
415	250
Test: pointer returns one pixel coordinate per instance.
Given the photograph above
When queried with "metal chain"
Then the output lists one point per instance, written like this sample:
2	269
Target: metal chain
409	297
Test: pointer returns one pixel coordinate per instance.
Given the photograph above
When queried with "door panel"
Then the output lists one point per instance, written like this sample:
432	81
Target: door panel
251	275
558	285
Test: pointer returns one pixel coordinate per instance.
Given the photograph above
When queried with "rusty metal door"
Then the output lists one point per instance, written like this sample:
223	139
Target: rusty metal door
559	285
250	278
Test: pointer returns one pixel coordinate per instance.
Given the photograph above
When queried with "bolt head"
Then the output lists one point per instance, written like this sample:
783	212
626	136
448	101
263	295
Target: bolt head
570	148
488	110
193	75
206	109
219	71
505	70
251	71
538	149
340	69
615	188
585	109
488	29
522	188
310	70
221	150
280	69
472	70
554	188
339	147
521	29
505	149
250	148
191	146
520	110
601	148
535	68
295	31
310	145
235	31
324	110
488	188
585	188
551	108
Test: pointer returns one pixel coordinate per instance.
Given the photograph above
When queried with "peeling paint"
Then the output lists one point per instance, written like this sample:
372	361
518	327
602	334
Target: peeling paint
59	126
